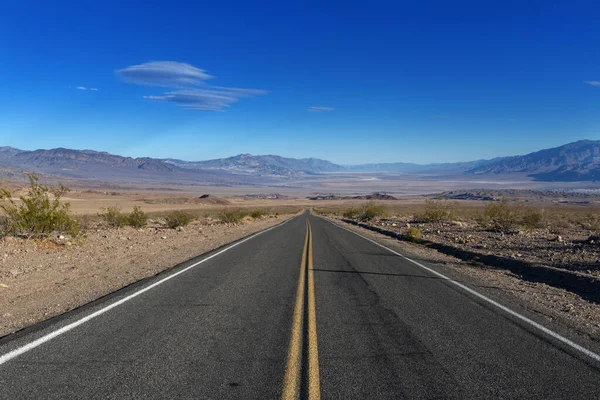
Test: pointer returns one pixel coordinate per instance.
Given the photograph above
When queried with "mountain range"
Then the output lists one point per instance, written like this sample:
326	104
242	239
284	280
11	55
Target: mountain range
577	161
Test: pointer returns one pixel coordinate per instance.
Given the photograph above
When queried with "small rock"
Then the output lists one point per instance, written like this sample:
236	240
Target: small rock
68	244
61	237
163	237
394	224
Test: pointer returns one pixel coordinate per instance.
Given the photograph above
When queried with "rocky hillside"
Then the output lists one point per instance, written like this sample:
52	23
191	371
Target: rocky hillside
572	162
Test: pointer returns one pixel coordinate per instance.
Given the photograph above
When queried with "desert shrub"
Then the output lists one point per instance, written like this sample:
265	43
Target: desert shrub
137	218
414	234
232	216
351	213
113	217
39	213
439	210
533	219
500	216
176	219
372	210
257	213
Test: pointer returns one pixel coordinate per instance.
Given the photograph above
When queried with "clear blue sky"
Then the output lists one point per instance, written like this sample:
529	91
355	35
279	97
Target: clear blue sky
350	82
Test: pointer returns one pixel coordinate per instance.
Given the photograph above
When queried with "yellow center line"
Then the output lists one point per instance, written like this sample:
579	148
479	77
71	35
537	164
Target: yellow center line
314	385
292	381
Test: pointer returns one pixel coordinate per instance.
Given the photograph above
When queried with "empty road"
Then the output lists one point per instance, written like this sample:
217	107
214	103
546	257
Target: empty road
303	310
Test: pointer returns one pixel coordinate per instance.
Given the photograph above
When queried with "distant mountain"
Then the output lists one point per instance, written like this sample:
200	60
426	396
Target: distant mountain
578	161
263	165
83	159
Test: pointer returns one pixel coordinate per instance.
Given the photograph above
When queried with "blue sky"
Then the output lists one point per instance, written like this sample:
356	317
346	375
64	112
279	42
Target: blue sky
351	82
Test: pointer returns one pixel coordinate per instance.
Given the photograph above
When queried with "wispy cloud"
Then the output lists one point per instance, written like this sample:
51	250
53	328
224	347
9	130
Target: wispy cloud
164	73
319	109
593	83
189	89
84	88
206	99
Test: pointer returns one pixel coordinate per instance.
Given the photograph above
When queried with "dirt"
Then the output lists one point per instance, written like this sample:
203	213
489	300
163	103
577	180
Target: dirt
559	305
41	279
571	249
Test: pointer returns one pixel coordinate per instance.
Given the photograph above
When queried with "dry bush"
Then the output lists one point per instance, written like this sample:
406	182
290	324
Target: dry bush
176	219
137	218
113	217
258	213
351	213
232	216
533	219
39	213
414	234
500	216
437	211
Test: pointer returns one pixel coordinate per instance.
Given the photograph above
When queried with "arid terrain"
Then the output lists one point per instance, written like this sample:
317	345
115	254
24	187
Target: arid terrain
42	278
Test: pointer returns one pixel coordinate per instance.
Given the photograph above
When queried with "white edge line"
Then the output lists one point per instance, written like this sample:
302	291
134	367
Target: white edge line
32	345
515	314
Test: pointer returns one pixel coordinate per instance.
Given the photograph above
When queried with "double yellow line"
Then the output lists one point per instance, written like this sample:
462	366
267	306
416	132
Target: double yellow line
293	382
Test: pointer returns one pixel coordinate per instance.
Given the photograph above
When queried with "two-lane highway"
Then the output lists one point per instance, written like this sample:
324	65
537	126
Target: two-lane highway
305	309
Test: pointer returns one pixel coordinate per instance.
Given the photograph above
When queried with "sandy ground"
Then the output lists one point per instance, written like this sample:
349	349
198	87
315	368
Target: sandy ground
39	280
561	306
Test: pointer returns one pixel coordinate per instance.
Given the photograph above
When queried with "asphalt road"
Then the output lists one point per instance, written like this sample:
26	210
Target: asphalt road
301	310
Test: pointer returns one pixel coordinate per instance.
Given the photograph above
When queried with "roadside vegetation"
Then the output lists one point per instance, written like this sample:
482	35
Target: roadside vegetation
114	218
38	213
177	219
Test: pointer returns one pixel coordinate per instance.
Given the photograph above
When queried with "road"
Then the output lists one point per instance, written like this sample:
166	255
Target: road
303	310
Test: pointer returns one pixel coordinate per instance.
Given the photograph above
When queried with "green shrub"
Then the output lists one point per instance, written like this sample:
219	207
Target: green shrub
500	217
113	217
372	210
533	219
414	234
257	213
351	213
39	213
137	218
439	210
232	216
177	218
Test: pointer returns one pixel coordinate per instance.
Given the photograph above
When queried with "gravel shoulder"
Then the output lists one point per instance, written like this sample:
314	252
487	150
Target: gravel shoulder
560	306
39	280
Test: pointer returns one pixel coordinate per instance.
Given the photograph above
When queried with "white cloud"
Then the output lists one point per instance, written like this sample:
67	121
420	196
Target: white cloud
164	73
81	88
94	89
187	83
212	99
319	109
593	83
